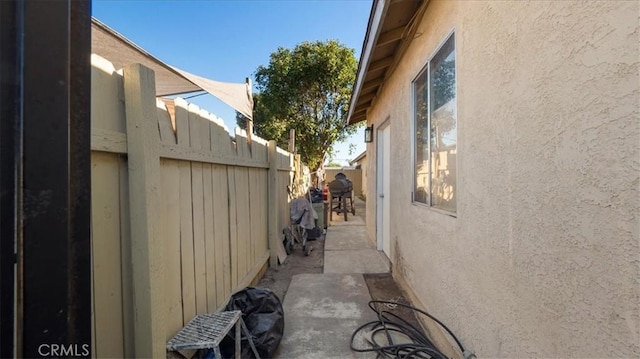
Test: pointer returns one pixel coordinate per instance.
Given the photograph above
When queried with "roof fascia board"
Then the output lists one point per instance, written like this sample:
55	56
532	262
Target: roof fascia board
379	10
360	156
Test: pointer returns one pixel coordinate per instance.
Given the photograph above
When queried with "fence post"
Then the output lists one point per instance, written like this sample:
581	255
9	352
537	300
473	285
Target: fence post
292	140
144	186
273	205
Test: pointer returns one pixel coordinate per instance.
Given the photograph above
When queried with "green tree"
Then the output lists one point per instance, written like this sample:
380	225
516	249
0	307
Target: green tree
308	89
262	123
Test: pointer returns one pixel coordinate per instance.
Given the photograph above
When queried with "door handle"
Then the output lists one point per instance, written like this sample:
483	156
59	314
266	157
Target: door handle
381	196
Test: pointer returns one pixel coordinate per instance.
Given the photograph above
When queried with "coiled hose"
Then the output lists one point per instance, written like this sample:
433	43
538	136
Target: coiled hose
417	344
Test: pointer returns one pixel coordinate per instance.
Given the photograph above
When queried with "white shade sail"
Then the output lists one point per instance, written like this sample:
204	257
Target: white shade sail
170	80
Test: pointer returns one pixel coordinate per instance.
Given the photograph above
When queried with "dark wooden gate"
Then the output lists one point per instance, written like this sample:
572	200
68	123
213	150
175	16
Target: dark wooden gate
45	258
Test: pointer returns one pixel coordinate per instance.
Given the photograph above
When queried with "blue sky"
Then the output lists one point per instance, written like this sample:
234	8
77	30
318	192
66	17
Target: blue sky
227	40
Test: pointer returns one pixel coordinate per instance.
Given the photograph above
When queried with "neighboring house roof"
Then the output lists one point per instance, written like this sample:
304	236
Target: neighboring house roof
360	157
392	24
170	80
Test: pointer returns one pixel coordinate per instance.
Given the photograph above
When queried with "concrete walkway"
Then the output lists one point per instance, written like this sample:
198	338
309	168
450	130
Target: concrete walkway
323	310
321	313
348	250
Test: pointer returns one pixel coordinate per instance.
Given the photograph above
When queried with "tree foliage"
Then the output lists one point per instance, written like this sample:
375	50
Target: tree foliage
333	163
308	89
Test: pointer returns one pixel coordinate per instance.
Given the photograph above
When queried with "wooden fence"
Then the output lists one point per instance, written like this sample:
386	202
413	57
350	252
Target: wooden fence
182	214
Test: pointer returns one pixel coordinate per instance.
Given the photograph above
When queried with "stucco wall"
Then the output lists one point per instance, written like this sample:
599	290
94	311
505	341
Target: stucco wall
543	257
364	163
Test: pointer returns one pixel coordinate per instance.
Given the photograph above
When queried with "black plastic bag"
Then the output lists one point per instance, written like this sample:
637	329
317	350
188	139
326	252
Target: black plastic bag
316	195
263	315
313	234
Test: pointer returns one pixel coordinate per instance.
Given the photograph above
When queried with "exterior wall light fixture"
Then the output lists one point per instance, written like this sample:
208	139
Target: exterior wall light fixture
368	134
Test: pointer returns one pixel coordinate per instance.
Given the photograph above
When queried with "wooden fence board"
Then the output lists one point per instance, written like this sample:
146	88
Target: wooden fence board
256	148
198	155
263	239
126	260
263	246
210	250
252	273
205	134
186	215
170	235
265	151
261	148
216	145
198	214
251	218
107	270
194	125
107	107
283	202
275	253
198	238
182	122
206	143
164	124
108	141
186	241
221	231
246	149
220	140
256	196
243	222
233	226
254	211
241	142
170	107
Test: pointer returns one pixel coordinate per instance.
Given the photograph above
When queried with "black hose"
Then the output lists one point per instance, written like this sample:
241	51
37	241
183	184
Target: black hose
420	347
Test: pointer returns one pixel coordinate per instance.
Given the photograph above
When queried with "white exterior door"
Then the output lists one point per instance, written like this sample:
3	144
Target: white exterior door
383	177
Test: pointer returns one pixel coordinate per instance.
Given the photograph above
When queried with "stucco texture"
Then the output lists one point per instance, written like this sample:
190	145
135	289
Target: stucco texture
543	259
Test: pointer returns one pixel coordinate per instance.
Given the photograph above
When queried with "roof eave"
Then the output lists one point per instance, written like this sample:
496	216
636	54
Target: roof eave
378	10
360	156
392	26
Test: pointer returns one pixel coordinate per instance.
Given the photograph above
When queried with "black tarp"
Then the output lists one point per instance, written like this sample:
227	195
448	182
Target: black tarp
263	315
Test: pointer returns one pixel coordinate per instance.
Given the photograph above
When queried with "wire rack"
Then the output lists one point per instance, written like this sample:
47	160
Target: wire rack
204	331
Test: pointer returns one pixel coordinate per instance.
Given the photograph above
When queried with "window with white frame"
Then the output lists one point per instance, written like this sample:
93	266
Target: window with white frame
435	129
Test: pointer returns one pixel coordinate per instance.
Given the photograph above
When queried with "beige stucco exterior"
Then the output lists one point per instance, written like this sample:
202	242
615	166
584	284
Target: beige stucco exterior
543	259
364	163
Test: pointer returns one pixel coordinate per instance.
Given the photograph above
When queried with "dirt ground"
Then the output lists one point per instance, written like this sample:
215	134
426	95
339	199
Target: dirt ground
278	279
381	286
